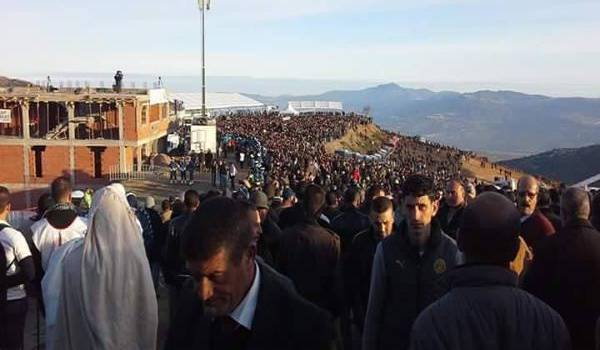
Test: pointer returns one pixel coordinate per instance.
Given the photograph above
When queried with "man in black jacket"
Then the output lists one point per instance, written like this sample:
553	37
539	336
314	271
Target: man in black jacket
239	302
351	221
268	242
357	267
565	272
407	269
309	255
331	210
450	213
484	309
174	269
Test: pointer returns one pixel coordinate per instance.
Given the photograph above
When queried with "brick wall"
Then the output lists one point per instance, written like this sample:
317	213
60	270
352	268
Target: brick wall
85	167
152	128
55	163
110	158
12	162
129	121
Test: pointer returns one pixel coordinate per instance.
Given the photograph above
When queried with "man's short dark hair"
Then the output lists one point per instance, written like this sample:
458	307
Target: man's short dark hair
208	195
61	188
166	205
372	190
419	186
314	199
219	223
544	200
331	198
4	198
178	208
44	203
381	205
351	195
191	199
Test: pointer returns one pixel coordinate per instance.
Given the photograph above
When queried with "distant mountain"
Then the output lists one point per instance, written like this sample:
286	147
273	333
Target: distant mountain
570	165
504	123
8	82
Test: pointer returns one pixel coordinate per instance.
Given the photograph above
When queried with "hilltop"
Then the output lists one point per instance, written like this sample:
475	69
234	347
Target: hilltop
367	139
9	82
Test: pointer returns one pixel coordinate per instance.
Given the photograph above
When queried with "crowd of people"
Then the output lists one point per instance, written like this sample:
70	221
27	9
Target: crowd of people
328	252
296	153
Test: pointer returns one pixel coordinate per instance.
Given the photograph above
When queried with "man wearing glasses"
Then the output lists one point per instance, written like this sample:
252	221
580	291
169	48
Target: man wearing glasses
534	225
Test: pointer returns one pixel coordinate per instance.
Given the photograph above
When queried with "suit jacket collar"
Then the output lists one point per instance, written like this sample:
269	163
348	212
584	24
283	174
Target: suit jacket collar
268	307
244	312
270	310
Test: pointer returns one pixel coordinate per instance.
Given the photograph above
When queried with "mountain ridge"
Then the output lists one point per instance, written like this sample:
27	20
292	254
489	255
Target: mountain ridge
496	121
570	165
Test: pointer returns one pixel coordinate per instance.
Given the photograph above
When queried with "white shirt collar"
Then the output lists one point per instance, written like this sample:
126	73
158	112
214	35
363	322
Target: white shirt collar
524	218
244	312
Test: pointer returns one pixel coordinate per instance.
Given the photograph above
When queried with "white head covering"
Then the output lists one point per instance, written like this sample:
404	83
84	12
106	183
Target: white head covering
150	202
108	299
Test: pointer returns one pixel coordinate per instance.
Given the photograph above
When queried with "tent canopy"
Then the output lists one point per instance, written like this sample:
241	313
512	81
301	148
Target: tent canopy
216	101
298	107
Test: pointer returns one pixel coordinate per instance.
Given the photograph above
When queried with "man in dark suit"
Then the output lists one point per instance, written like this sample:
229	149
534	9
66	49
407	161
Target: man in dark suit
565	272
239	302
309	255
450	213
351	221
358	265
534	225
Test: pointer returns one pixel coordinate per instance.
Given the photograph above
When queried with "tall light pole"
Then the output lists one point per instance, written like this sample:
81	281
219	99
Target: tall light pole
202	4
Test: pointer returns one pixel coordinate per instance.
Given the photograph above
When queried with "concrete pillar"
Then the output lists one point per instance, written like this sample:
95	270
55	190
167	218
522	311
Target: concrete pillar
71	126
26	149
122	155
25	121
71	119
138	153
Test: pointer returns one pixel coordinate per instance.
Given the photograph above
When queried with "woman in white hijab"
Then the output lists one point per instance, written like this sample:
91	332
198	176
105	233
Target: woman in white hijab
107	298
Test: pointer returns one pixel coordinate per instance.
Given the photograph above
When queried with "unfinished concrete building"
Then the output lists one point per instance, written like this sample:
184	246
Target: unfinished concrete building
82	133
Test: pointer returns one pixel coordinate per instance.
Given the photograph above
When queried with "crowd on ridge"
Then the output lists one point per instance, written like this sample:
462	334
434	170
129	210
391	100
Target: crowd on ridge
323	254
296	153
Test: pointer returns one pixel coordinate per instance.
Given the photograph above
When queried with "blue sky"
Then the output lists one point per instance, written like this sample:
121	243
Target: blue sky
543	43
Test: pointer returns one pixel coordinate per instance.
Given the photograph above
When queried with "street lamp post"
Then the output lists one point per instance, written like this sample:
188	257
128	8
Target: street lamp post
201	4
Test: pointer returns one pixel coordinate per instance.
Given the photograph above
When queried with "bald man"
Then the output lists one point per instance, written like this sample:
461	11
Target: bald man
534	225
451	211
484	309
565	271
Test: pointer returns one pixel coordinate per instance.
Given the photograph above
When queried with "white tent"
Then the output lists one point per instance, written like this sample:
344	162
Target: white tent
216	103
299	107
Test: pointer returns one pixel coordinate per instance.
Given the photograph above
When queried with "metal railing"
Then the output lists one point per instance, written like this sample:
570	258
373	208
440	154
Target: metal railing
132	173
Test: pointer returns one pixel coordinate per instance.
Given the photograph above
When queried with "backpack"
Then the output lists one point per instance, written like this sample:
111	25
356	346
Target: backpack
3	270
